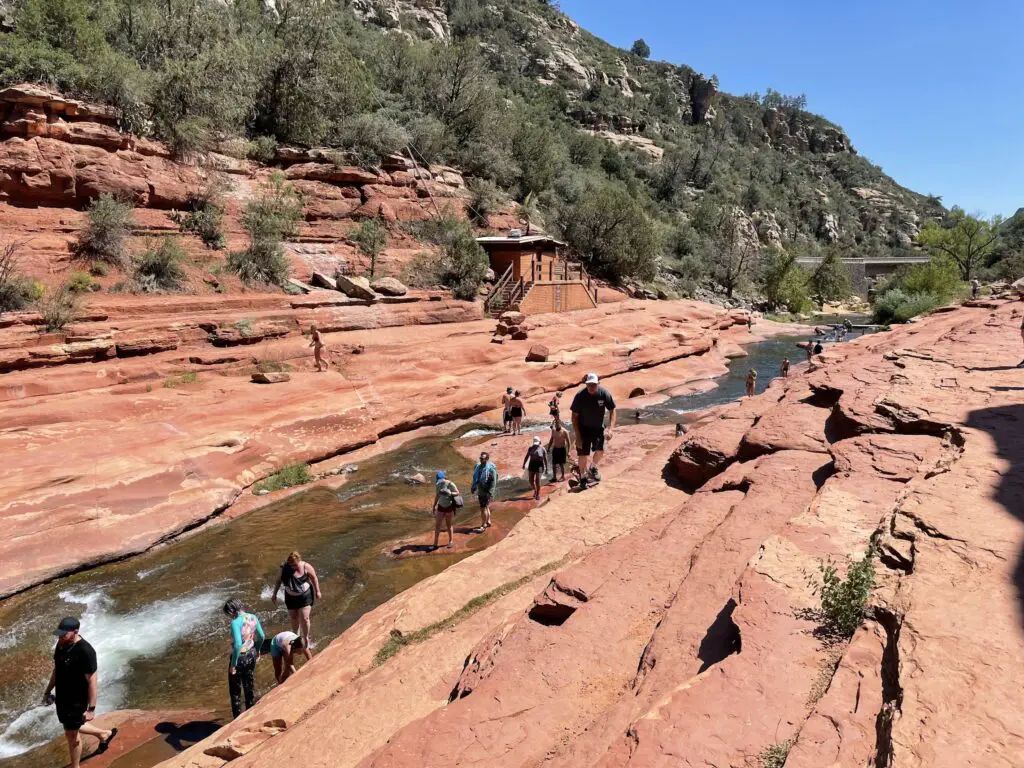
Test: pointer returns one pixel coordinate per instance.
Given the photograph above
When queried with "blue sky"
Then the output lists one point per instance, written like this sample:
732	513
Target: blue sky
932	91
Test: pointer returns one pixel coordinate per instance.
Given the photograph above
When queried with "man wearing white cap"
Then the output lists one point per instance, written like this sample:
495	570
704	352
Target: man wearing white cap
588	410
537	462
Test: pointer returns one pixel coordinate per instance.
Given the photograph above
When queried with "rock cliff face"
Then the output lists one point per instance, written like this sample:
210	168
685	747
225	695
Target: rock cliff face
684	631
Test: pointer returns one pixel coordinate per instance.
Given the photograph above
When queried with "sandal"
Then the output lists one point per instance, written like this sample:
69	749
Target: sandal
106	742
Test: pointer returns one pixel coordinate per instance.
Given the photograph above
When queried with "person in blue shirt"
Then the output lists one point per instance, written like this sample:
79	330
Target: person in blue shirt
485	482
246	641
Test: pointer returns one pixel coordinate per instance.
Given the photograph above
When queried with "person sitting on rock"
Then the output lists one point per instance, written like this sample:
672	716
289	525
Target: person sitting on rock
517	409
751	382
282	653
536	461
317	343
445	502
818	349
485	482
558	447
785	368
506	408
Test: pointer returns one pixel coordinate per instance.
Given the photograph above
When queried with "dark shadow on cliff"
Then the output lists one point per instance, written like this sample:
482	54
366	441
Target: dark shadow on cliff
1006	427
181	737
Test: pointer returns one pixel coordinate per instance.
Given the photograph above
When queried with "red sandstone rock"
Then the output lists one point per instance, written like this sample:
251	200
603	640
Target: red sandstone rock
538	354
273	377
328	172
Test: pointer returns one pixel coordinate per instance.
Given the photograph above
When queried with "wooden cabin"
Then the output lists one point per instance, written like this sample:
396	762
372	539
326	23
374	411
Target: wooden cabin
533	276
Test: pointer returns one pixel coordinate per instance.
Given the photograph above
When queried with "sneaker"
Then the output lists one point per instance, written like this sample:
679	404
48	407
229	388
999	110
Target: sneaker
595	474
582	484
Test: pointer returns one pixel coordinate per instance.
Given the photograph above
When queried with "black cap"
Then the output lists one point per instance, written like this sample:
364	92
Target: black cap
70	624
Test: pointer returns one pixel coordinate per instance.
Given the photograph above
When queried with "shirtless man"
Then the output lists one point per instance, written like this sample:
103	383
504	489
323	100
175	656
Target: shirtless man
317	343
558	447
506	409
751	382
785	368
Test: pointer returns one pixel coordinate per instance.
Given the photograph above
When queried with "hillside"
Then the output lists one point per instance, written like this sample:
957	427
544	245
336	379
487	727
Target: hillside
645	168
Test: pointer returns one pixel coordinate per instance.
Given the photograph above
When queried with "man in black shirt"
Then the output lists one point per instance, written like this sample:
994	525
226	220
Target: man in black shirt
588	409
74	676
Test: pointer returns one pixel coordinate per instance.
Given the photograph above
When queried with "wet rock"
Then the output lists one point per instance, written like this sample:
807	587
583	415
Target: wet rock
538	354
417	479
355	287
389	286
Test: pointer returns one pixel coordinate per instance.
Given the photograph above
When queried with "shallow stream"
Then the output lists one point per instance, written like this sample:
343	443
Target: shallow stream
155	619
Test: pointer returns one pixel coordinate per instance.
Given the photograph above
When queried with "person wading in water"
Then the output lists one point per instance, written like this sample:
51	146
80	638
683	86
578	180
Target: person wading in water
517	409
446	501
536	462
74	676
485	482
301	590
506	410
246	641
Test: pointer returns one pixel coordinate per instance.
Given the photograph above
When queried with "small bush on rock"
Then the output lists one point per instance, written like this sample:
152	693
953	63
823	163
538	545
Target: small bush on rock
79	282
15	290
287	477
843	600
262	149
59	307
269	219
106	234
159	269
371	237
204	217
371	137
775	755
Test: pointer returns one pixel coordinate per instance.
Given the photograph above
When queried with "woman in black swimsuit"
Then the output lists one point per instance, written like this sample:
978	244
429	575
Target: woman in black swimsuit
517	409
301	589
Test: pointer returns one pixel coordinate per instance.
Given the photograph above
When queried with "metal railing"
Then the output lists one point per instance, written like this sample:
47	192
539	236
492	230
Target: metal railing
499	291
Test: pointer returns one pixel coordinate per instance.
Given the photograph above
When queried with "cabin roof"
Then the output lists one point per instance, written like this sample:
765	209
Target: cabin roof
525	240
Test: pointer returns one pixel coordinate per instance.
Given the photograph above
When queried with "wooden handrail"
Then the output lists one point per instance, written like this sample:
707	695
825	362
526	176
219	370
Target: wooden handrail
499	288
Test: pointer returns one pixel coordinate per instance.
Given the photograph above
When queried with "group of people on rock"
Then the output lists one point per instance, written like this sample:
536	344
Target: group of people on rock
589	433
74	682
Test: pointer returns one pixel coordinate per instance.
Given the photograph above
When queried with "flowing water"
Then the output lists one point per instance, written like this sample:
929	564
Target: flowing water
156	622
155	619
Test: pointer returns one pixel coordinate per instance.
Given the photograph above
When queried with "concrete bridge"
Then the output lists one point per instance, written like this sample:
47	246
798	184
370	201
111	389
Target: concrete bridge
864	270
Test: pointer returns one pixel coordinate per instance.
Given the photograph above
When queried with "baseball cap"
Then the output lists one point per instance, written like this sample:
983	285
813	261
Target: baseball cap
69	624
536	441
591	379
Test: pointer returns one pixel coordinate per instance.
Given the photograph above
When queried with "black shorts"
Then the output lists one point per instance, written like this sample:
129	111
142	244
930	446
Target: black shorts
516	412
71	718
298	602
506	415
559	455
485	499
590	440
536	467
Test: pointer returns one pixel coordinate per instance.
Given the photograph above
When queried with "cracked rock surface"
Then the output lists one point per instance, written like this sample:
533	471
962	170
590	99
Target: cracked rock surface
692	636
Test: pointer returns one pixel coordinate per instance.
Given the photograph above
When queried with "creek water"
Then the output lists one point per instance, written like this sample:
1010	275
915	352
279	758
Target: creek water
155	620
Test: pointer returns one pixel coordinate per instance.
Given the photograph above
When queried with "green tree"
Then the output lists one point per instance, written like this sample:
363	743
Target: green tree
641	48
612	233
967	240
783	281
831	281
105	236
371	237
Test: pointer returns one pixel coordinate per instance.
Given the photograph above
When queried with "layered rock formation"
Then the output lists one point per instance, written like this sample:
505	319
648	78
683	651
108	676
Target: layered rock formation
162	410
691	635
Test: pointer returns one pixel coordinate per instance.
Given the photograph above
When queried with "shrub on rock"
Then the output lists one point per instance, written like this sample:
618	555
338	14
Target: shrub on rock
106	233
159	269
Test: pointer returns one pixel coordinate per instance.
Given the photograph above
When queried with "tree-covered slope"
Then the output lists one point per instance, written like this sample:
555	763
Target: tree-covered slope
645	167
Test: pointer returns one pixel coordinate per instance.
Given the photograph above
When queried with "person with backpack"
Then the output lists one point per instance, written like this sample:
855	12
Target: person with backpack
447	500
536	461
485	482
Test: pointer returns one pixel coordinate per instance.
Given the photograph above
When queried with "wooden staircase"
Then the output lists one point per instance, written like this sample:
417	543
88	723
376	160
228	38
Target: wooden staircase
506	294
